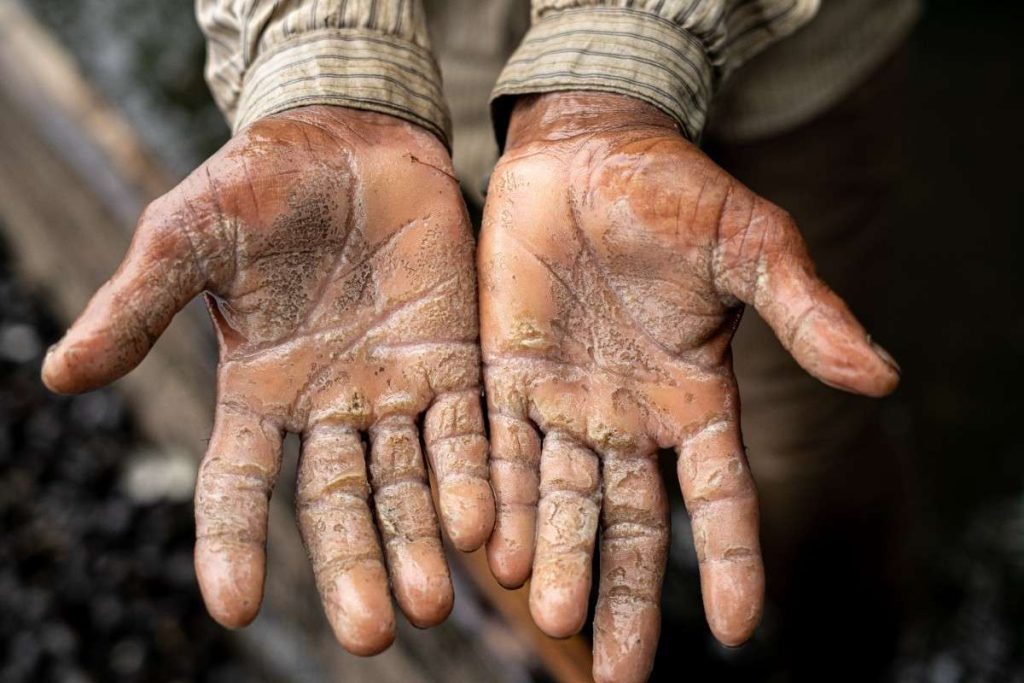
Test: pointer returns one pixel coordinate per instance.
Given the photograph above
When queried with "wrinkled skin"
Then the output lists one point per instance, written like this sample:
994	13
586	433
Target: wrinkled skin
614	261
336	253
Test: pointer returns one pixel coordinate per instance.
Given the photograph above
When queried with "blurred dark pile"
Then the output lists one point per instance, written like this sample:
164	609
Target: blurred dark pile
93	585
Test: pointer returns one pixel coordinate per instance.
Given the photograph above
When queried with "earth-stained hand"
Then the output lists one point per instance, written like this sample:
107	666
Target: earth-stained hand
614	261
337	257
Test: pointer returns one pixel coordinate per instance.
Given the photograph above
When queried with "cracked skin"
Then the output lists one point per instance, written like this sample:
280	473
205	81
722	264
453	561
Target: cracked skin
337	259
614	262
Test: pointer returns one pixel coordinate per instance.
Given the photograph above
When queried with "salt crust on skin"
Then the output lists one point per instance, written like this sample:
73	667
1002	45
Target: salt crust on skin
613	263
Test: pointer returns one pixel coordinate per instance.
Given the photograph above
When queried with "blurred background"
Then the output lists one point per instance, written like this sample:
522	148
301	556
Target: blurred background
103	106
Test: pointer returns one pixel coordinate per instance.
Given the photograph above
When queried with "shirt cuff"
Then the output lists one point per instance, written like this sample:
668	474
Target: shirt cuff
350	68
616	50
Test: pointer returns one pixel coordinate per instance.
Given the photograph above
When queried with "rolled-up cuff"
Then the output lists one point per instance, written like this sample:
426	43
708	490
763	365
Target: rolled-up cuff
616	50
351	68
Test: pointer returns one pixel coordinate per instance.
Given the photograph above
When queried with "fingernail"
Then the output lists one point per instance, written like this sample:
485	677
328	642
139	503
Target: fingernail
885	356
53	347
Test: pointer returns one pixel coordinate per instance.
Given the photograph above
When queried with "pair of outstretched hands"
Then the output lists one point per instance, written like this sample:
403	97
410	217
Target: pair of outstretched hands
340	271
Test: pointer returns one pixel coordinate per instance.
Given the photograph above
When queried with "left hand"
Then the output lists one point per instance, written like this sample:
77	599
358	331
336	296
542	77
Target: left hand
614	261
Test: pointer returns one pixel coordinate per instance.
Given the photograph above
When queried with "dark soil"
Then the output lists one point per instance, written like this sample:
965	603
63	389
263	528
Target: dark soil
93	585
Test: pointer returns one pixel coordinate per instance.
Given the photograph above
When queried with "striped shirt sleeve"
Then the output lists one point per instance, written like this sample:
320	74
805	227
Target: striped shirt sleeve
267	56
669	53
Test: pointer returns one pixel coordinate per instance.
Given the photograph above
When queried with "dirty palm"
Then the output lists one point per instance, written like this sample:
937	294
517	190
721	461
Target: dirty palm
613	261
337	255
338	262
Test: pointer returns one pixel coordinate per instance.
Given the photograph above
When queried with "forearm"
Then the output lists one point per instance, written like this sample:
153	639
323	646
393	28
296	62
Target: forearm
265	57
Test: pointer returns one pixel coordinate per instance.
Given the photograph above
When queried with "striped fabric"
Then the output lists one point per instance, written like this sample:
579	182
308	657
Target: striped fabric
670	53
267	56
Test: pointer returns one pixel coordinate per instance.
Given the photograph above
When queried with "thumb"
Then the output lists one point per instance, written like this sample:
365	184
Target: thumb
766	264
158	276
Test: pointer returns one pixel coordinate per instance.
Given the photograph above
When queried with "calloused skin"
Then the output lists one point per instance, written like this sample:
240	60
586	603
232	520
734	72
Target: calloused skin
336	253
614	263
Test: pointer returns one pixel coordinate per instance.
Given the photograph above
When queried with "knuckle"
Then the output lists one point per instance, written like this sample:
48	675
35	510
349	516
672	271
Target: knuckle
460	456
514	441
778	229
341	485
225	474
454	415
514	484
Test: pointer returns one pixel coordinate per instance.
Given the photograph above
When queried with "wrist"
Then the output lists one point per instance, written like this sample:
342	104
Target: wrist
376	129
643	50
552	117
349	68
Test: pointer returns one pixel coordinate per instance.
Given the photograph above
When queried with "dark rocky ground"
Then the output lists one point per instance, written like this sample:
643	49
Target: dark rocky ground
95	586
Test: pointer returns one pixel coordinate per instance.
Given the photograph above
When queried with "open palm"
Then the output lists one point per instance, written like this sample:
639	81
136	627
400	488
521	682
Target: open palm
335	249
613	263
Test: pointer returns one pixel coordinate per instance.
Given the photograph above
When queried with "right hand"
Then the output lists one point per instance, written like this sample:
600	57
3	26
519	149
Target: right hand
339	264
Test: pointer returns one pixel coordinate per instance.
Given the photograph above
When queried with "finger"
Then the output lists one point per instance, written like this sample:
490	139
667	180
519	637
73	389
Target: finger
722	502
408	525
634	549
570	502
766	264
157	277
338	531
454	435
514	464
231	503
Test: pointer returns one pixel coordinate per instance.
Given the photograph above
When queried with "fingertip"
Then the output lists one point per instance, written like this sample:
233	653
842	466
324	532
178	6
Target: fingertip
558	611
231	581
557	625
467	510
889	373
359	610
625	641
842	355
88	358
732	633
860	371
367	647
422	584
71	369
424	611
880	385
54	371
510	561
880	374
427	607
733	600
365	640
731	639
